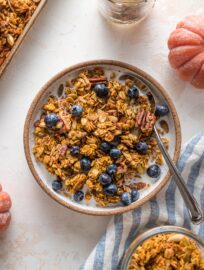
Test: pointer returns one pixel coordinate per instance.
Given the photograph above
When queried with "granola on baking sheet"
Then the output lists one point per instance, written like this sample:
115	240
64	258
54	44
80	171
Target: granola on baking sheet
167	252
14	15
95	136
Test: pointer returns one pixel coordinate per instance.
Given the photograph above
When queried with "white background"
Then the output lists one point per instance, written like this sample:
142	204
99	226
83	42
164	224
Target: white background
43	234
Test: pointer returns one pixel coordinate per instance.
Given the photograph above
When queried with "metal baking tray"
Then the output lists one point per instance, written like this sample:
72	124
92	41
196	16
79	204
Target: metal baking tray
22	36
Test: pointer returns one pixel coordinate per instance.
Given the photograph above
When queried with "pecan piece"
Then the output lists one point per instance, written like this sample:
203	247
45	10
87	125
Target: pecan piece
36	124
96	80
139	185
145	121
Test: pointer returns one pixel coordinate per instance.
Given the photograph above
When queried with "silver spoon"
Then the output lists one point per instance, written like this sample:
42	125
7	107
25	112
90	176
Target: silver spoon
194	210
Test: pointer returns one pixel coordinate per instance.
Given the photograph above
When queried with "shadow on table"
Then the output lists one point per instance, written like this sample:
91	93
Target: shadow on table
121	40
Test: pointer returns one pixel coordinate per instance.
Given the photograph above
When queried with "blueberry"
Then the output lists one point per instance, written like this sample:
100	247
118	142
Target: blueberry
85	164
161	110
133	92
105	147
51	120
76	110
111	190
141	147
154	171
126	198
75	150
135	195
115	142
112	169
79	196
105	179
115	153
56	185
101	90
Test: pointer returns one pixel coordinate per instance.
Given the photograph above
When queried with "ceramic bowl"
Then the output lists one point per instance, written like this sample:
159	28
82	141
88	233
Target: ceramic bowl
44	179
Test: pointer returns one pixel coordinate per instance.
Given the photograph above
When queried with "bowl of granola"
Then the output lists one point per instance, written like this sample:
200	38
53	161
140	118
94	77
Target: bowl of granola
88	138
165	247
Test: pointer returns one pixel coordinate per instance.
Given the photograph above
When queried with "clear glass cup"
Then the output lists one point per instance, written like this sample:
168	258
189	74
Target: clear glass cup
155	231
125	11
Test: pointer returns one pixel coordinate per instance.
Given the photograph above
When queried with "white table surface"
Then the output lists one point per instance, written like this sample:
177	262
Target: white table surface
43	234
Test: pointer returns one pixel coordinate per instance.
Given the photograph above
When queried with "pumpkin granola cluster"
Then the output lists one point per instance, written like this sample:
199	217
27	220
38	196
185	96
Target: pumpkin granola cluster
83	133
167	251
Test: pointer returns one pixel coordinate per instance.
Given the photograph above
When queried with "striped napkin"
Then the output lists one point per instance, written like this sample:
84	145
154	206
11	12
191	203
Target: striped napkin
166	208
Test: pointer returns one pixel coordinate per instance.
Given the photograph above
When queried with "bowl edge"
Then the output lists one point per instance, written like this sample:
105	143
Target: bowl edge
86	64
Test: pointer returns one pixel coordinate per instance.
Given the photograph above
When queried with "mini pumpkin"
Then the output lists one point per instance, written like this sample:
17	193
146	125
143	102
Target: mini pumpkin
186	45
5	205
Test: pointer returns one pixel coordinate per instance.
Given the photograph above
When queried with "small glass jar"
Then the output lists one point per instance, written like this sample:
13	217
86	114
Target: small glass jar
125	11
155	231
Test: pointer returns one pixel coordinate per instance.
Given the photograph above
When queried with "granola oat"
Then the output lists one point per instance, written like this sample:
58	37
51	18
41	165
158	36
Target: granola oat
14	15
71	148
167	252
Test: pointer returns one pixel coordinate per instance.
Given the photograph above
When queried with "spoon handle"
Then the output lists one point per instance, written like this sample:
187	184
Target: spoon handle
194	210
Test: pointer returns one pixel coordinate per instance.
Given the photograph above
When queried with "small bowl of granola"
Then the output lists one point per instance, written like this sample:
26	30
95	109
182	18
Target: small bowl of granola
88	138
165	247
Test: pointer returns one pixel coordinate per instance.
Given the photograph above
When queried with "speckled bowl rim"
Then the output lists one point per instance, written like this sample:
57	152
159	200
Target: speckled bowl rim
28	151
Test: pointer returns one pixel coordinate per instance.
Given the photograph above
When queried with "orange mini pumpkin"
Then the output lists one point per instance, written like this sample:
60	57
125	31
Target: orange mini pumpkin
5	205
186	45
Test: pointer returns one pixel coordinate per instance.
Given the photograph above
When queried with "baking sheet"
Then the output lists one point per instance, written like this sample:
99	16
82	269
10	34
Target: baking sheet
22	36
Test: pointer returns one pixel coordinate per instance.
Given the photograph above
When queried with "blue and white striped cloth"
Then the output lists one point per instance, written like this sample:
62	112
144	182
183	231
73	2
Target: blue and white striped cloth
166	208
